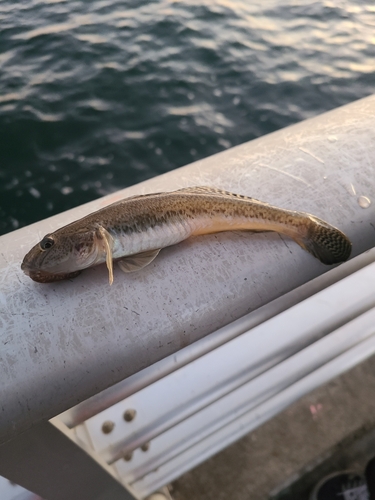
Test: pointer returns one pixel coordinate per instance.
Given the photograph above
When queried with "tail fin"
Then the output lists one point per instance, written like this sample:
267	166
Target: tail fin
325	242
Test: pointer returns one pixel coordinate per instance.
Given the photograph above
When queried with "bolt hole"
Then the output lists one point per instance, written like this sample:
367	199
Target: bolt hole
107	427
145	447
129	415
128	456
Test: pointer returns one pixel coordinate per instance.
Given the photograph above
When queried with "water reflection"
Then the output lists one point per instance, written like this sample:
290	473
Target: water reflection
86	87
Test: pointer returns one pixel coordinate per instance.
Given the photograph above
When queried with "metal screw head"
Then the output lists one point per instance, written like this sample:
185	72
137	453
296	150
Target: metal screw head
145	446
129	415
107	427
128	456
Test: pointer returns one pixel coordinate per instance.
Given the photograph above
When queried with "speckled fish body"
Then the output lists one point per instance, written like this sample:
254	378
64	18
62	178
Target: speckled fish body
132	231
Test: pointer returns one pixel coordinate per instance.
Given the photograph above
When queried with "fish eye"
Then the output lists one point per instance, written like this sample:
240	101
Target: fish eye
46	243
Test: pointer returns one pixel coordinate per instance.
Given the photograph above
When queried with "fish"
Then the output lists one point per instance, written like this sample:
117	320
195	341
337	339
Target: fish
132	231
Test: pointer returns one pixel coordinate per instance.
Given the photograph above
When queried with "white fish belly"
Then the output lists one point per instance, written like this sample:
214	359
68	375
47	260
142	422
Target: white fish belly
152	238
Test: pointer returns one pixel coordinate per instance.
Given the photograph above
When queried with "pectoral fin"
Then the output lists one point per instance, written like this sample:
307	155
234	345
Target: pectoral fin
138	261
107	242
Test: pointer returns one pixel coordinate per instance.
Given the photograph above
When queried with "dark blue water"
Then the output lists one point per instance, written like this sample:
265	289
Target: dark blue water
98	95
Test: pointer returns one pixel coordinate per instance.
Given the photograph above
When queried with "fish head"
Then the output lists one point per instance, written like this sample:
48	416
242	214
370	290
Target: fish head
62	254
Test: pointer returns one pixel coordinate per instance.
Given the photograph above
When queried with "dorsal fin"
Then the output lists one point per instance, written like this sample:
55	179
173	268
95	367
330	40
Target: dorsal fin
134	197
204	190
194	190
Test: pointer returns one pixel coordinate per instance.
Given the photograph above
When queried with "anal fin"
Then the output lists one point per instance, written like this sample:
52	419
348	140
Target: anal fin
137	261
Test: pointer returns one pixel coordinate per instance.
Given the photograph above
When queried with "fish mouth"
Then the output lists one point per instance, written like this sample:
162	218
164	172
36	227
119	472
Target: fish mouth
25	268
45	277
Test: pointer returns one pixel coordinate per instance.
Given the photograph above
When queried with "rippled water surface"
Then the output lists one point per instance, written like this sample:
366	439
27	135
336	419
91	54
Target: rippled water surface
99	95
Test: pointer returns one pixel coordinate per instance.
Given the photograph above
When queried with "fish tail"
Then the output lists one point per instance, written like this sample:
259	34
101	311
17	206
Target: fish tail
325	242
